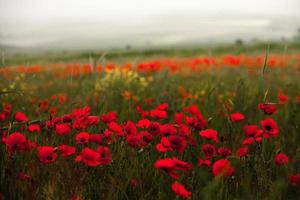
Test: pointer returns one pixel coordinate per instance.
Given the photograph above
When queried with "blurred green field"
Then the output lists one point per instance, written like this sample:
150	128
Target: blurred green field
27	58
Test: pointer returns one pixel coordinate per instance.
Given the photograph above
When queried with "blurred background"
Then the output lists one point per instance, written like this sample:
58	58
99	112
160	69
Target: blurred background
56	25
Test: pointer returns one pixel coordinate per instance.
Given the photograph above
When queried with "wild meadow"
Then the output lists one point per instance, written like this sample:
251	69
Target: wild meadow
223	126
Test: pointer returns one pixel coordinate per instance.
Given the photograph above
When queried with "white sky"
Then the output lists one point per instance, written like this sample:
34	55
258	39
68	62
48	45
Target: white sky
32	11
27	21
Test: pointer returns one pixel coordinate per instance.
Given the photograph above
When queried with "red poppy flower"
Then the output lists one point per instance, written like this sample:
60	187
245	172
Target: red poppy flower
7	107
96	138
163	106
209	150
56	120
129	128
294	179
251	130
3	116
258	139
281	159
146	137
236	117
46	154
75	198
116	128
160	148
108	135
149	101
66	150
154	128
158	114
197	122
209	134
3	134
192	109
168	129
164	145
282	97
223	151
180	190
134	182
171	165
67	118
20	117
30	145
143	123
135	141
222	167
268	109
269	127
191	121
23	176
248	141
178	118
206	163
184	131
93	120
242	151
82	138
34	128
109	117
62	129
89	157
142	112
104	155
81	112
15	141
80	123
177	143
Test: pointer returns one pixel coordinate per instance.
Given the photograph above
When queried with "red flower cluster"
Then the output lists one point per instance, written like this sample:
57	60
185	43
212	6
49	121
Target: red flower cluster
17	142
155	128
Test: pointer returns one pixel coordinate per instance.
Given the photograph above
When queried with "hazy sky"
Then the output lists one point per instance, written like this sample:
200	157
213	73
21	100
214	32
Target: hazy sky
29	21
31	11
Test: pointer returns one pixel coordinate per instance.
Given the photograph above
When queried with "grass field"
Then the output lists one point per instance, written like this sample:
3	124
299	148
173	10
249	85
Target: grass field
162	124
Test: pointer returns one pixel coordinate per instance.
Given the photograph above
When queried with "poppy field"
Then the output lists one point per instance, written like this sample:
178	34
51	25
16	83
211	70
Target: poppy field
166	127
